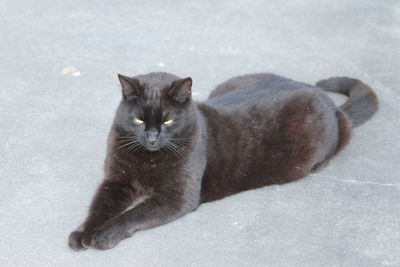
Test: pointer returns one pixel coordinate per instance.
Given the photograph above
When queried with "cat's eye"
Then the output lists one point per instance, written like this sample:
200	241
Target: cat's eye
168	122
137	121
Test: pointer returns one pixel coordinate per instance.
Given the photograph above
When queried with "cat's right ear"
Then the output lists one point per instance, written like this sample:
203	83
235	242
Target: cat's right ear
130	87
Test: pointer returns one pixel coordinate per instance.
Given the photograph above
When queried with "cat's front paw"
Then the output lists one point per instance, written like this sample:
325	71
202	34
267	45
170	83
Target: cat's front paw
78	240
106	240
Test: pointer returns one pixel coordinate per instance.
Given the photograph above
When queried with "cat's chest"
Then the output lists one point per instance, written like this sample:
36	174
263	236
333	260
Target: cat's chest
146	170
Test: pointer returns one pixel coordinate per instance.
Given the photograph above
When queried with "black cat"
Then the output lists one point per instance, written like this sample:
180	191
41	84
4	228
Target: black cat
167	154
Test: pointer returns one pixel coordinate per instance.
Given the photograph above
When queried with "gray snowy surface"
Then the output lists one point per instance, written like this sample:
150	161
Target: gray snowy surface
53	128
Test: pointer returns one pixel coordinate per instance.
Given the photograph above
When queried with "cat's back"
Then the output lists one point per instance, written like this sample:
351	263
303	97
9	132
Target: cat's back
252	87
264	93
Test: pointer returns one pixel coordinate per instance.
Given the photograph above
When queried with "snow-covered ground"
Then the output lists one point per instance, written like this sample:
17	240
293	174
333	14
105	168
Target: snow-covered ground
53	127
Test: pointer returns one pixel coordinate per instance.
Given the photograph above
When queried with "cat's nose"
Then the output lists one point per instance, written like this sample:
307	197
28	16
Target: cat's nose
152	136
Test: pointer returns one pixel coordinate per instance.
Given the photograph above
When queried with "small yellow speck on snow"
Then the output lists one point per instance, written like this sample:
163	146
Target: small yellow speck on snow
70	71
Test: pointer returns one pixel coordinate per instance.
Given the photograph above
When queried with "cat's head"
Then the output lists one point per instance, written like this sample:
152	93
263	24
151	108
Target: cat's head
155	112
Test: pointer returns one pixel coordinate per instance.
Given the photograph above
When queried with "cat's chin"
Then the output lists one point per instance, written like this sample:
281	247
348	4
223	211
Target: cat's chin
153	149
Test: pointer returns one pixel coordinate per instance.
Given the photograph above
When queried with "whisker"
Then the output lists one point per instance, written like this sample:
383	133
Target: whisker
127	144
181	146
181	139
173	150
134	147
127	137
176	150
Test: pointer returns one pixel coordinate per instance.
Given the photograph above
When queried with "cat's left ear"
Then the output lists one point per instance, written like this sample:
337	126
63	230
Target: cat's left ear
181	90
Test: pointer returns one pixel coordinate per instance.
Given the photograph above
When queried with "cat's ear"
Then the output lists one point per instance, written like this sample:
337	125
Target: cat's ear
181	90
130	87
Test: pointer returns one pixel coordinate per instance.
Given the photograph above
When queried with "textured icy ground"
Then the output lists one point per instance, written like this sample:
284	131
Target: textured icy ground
53	128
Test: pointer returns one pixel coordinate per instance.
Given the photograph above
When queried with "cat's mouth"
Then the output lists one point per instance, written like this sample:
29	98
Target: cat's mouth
152	148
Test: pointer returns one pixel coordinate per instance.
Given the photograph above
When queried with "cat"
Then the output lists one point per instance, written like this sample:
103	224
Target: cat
168	154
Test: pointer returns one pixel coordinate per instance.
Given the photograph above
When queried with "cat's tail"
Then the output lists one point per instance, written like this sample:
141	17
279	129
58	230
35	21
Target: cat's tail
362	102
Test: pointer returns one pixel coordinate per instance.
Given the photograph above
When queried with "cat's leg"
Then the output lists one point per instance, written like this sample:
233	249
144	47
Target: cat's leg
156	210
112	198
344	134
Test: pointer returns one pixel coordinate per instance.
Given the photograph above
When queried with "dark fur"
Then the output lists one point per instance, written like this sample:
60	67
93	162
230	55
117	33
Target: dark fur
362	103
253	131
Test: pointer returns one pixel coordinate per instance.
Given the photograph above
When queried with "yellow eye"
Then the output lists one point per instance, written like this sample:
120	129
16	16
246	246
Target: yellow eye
168	122
137	121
